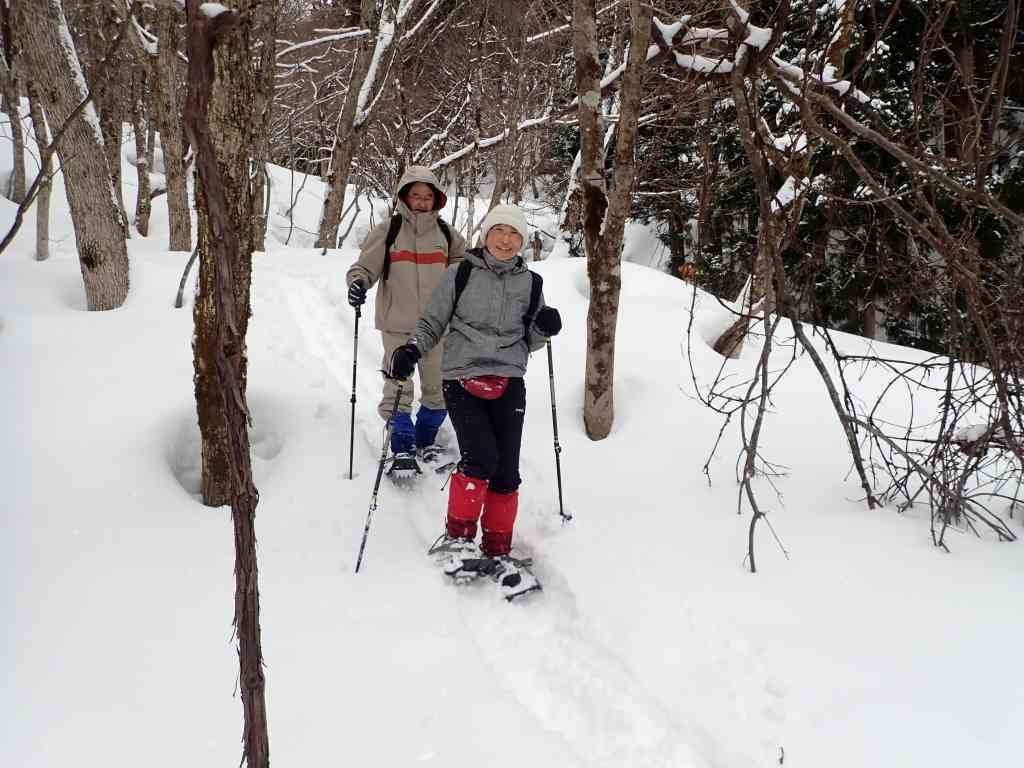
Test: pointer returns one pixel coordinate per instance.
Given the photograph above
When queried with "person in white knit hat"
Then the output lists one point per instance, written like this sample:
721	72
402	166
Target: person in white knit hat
493	309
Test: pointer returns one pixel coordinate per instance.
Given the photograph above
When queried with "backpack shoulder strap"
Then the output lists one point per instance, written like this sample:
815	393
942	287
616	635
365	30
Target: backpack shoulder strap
445	230
396	225
461	278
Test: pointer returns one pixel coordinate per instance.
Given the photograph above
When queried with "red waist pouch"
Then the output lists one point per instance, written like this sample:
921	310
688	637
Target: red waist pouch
485	387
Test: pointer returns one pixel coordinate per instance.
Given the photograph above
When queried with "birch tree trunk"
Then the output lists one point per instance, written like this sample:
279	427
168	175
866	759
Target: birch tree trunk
218	117
43	193
604	214
52	62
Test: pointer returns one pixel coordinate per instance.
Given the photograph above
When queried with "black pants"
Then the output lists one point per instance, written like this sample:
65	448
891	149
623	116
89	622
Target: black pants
490	432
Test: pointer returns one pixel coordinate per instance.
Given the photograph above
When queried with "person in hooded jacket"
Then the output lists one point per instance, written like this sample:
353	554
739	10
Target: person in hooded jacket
490	337
406	277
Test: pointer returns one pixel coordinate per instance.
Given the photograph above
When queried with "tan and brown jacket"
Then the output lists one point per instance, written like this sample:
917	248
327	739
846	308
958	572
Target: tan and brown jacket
419	257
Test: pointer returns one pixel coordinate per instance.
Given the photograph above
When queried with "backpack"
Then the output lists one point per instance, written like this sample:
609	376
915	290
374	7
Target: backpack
396	224
462	277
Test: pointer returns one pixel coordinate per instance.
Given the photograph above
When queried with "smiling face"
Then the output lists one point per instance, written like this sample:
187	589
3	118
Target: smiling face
503	242
419	197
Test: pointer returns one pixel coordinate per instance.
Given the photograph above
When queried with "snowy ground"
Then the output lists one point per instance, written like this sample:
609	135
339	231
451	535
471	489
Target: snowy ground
650	646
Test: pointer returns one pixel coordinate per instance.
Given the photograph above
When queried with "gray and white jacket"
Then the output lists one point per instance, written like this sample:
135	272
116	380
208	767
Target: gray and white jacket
487	334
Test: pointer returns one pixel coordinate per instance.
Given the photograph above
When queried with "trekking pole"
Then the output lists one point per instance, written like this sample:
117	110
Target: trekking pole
554	423
380	473
352	429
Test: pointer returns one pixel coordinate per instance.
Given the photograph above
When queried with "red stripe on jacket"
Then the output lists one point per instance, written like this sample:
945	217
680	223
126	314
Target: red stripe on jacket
434	257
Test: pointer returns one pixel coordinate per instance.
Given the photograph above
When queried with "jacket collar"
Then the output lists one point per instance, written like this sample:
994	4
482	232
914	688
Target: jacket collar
481	257
421	222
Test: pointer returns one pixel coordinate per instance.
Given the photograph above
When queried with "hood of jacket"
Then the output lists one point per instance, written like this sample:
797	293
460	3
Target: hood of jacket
421	173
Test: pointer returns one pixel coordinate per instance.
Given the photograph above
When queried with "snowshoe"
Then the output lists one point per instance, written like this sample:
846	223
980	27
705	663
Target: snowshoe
403	469
439	458
450	552
512	574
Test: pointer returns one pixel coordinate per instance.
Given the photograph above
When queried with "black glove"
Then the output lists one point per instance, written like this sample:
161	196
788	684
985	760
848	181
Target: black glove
548	321
356	293
403	361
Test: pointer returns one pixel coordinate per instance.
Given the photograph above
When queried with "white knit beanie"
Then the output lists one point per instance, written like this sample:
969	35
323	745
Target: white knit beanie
509	215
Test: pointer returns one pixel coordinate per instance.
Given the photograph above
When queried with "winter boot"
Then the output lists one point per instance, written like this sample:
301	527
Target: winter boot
402	467
498	520
403	434
465	497
428	421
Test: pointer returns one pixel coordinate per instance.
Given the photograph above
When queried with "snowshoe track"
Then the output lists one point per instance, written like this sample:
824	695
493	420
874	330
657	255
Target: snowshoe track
541	651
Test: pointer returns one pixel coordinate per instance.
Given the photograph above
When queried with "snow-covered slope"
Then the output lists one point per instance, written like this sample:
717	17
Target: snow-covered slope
650	646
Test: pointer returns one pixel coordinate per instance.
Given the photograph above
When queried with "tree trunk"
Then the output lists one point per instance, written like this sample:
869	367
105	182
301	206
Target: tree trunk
771	227
150	139
12	107
140	127
110	100
112	126
237	132
230	115
337	183
218	117
43	194
346	142
99	227
168	99
604	215
264	30
708	243
261	199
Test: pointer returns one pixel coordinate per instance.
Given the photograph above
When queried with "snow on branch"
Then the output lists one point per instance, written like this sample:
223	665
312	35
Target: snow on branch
921	167
703	35
389	28
213	10
385	37
786	193
703	64
669	31
665	35
616	74
757	37
403	11
609	79
423	19
344	34
148	41
439	137
798	76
